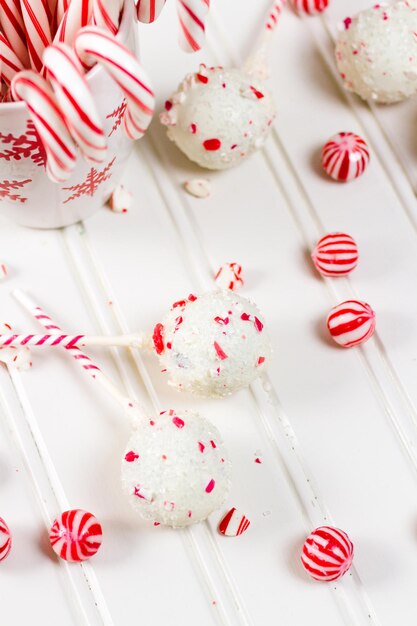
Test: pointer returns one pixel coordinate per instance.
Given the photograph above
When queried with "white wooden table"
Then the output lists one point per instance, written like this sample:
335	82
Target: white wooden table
338	441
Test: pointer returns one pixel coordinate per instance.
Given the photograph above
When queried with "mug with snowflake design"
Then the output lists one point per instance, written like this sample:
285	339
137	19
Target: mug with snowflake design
27	196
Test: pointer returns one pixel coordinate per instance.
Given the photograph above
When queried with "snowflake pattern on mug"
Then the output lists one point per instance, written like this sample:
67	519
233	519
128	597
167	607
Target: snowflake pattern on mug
92	182
117	115
25	146
8	187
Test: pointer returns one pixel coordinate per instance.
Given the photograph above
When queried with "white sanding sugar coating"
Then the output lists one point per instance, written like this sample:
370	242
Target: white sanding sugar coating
219	116
376	52
175	470
212	344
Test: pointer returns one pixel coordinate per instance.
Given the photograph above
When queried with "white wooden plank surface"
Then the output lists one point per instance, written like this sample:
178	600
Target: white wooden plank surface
335	430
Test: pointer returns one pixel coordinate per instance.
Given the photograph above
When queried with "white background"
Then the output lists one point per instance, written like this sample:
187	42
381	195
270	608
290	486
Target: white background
337	434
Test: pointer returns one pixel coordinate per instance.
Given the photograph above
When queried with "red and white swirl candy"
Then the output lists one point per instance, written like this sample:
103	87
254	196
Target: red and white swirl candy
310	7
233	524
345	157
335	255
94	44
5	539
50	123
76	535
351	323
76	101
327	554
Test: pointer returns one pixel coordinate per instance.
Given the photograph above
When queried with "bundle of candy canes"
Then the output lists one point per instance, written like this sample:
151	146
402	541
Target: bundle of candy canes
46	49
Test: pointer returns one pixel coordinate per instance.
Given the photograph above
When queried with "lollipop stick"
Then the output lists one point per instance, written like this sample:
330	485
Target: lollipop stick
256	64
92	369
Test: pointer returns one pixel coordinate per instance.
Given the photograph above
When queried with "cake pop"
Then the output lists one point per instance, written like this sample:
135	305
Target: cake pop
211	345
219	116
175	470
376	52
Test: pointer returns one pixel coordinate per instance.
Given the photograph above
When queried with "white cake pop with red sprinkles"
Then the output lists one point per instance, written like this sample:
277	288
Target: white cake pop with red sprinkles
376	52
218	116
212	344
175	470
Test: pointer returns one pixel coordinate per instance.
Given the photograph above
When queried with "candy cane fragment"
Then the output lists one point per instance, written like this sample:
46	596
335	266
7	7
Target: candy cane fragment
49	121
106	14
12	24
77	15
76	101
10	62
93	44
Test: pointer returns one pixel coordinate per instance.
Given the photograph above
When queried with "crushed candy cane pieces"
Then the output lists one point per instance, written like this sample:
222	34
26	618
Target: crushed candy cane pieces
233	524
229	276
198	187
120	200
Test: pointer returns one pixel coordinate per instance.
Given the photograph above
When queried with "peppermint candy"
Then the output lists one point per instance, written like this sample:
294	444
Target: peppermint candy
335	255
233	524
345	157
5	539
310	7
351	323
327	553
76	536
229	276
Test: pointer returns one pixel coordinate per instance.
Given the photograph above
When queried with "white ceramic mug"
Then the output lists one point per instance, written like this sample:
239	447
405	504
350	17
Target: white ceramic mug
27	196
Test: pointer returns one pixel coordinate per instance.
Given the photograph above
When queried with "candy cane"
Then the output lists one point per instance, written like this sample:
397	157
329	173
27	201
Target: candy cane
256	64
94	44
38	30
192	15
72	341
148	10
76	101
83	360
77	15
14	29
49	122
106	14
10	62
60	9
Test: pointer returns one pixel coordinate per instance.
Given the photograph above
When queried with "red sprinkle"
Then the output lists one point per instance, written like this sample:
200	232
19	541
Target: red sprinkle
193	128
220	353
261	360
258	460
257	93
258	325
203	79
347	22
212	443
178	422
158	340
181	303
210	486
212	144
168	105
201	446
131	456
192	297
221	320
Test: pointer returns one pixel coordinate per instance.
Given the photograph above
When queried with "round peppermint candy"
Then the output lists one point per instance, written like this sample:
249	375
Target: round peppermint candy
327	553
5	539
335	255
345	157
76	535
310	7
351	323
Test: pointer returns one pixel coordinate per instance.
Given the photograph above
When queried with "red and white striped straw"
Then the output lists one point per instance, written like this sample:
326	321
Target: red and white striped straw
77	15
76	101
94	44
49	121
192	16
13	27
256	64
83	360
275	14
71	341
10	62
148	10
106	14
38	30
